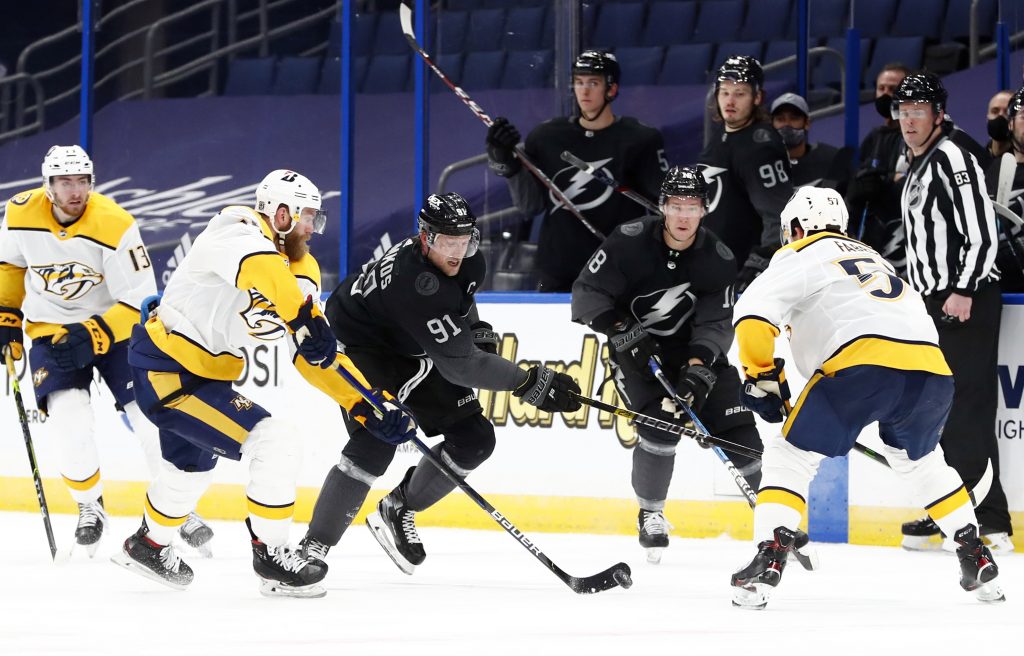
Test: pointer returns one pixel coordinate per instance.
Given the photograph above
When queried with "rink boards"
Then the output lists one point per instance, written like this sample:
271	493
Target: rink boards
563	473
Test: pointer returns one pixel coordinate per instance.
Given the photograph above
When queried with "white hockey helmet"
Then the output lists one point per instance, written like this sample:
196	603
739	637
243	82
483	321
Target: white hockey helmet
66	160
297	192
814	208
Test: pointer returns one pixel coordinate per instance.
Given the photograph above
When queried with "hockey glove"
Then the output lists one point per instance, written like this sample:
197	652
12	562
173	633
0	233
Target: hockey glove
868	186
549	390
395	426
484	337
634	348
313	338
695	383
502	138
754	266
768	394
76	345
10	331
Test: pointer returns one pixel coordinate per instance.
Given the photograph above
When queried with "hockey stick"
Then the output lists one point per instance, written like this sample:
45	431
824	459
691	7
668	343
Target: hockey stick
808	561
23	418
405	17
609	181
616	575
668	427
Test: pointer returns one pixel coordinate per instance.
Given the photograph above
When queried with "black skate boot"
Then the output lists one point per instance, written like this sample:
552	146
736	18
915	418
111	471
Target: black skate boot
313	550
284	572
978	571
654	530
919	535
753	584
197	534
92	518
394	527
141	555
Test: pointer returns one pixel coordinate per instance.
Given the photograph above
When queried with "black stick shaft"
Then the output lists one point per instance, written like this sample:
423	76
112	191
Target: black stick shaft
23	418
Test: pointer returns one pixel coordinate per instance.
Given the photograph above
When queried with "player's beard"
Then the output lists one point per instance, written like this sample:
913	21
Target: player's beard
296	245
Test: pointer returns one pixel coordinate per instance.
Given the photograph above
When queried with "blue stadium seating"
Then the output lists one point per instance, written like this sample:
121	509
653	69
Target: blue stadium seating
686	64
619	24
482	70
874	17
364	29
767	20
249	77
388	38
727	49
486	28
919	18
387	74
451	31
958	19
827	18
718	21
775	51
296	76
669	23
826	71
330	77
907	50
451	64
524	28
527	69
640	65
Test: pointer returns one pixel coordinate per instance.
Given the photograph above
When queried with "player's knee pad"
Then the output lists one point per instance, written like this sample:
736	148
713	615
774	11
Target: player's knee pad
69	423
931	479
470	441
662	408
171	496
786	467
148	436
366	453
354	471
274	460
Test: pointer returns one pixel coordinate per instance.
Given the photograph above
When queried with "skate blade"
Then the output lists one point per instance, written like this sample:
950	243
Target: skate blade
654	554
752	597
383	537
122	559
270	588
629	442
989	593
924	543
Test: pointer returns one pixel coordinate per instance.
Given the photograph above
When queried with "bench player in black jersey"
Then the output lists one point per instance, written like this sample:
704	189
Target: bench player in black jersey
747	169
663	287
409	321
622	146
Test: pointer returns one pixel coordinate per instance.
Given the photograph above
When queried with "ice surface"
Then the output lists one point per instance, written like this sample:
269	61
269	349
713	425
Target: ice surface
481	593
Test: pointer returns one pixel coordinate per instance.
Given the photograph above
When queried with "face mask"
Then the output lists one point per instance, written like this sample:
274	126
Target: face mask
999	128
883	105
792	137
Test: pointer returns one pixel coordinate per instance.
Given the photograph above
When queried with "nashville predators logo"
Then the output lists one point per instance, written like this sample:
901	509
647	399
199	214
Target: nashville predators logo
39	375
262	319
69	280
241	404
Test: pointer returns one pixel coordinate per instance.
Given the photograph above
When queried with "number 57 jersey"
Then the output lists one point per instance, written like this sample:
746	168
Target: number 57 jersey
842	305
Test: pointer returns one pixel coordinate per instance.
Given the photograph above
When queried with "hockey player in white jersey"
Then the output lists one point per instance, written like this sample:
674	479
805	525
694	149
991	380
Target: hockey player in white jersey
249	276
870	352
73	266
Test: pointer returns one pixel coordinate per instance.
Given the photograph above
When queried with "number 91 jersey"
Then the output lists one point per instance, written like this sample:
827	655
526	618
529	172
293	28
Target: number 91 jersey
842	305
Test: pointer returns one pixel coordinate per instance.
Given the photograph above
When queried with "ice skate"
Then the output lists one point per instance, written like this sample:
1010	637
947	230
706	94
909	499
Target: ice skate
313	550
753	584
394	527
998	542
197	534
924	535
654	530
978	571
283	572
92	519
158	562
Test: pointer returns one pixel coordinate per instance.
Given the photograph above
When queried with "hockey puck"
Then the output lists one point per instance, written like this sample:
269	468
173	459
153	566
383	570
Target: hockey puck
623	578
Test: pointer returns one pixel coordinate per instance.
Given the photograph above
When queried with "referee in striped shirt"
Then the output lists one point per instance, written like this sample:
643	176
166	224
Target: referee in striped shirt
951	251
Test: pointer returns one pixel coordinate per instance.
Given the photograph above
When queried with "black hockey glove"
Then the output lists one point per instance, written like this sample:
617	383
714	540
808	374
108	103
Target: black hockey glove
76	345
695	383
395	426
502	138
768	393
484	337
634	347
11	336
549	390
868	186
313	338
754	266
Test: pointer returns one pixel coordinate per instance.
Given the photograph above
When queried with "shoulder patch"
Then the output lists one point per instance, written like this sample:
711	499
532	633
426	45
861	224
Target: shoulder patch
22	198
632	229
762	135
427	283
724	251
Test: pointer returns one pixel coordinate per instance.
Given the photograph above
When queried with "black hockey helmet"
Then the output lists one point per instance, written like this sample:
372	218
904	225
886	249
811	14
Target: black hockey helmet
449	214
920	88
1016	104
684	181
596	62
741	68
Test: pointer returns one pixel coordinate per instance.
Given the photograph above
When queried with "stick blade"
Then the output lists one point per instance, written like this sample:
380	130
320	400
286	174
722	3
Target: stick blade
405	18
983	486
615	576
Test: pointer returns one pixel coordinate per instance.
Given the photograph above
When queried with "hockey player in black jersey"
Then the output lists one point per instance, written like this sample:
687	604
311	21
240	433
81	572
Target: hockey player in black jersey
621	146
662	287
747	169
409	322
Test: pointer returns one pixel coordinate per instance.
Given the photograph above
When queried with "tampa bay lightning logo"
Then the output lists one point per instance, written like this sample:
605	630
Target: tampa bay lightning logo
662	312
262	319
581	188
69	280
713	176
